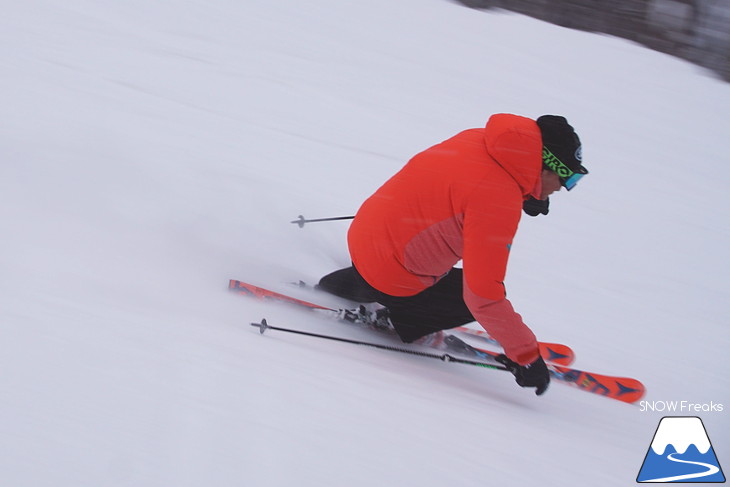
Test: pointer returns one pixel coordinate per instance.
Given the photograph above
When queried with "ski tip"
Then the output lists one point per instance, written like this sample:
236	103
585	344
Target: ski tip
557	353
622	389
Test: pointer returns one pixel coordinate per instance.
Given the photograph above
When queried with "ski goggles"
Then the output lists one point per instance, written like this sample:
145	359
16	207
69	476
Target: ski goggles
568	177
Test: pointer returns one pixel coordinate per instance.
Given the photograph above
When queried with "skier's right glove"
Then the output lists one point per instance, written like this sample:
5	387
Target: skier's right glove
533	206
534	375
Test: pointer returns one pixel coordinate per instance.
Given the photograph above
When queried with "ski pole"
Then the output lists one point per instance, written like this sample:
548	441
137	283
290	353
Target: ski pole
263	326
301	221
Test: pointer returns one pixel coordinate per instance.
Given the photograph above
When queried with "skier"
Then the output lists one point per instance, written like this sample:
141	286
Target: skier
460	200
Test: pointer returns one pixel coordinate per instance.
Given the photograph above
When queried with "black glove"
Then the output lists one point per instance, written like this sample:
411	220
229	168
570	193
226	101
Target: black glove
534	375
534	207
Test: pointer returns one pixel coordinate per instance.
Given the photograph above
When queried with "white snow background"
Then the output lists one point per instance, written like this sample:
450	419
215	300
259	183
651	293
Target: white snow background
151	150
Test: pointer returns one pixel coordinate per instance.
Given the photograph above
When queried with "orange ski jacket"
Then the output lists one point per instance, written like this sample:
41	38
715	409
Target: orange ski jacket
458	200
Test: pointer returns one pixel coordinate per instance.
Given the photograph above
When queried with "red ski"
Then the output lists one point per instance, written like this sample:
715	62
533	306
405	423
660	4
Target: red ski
623	389
554	352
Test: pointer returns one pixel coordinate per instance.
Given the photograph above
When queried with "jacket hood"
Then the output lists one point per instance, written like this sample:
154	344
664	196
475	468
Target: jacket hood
515	143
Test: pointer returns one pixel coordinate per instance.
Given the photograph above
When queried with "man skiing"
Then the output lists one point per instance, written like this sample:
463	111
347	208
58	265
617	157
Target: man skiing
460	200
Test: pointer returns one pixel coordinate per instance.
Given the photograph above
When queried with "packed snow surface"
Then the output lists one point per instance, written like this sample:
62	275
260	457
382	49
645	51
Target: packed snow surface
150	151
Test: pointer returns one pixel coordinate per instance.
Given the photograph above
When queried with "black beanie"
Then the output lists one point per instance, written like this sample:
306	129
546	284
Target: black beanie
559	138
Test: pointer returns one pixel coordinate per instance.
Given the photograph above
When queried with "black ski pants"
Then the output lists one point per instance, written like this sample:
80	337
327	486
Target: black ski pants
438	307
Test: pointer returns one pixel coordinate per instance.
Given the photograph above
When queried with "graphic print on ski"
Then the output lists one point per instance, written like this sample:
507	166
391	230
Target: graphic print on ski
557	353
623	389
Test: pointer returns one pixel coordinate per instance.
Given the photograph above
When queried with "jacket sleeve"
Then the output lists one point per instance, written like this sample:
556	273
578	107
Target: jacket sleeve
505	325
490	223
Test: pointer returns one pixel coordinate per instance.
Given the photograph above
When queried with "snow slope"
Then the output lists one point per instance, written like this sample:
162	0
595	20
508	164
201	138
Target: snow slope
150	151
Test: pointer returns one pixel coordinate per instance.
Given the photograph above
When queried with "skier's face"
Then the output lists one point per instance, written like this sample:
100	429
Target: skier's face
550	183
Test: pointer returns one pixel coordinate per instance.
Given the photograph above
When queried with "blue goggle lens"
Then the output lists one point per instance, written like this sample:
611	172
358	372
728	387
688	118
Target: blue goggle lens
570	182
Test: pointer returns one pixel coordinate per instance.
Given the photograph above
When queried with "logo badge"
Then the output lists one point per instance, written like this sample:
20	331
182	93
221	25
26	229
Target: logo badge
680	452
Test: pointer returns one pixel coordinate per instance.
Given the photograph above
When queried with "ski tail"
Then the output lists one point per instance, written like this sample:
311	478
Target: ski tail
261	293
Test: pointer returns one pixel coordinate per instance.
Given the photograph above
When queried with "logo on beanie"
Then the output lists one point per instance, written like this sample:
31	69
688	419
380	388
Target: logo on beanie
579	153
555	164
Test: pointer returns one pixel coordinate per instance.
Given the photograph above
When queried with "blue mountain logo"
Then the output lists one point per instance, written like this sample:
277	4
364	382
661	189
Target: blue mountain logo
681	452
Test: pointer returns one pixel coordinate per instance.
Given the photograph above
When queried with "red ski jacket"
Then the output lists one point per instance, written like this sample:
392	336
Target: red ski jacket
459	200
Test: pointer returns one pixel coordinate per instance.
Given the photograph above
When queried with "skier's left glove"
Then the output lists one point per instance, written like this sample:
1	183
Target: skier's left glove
534	375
